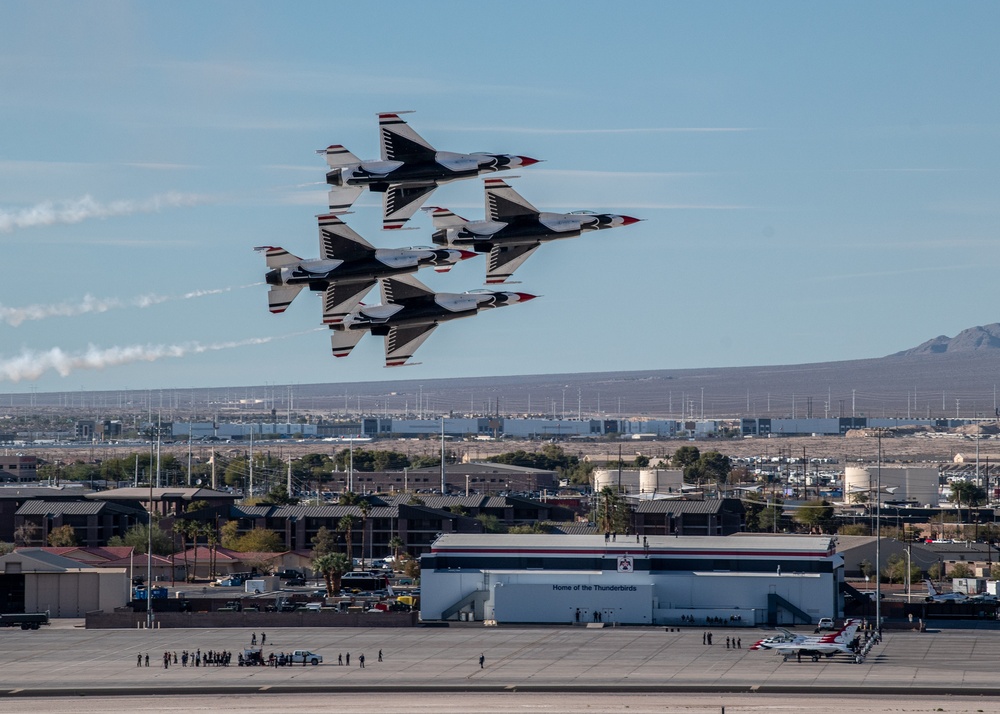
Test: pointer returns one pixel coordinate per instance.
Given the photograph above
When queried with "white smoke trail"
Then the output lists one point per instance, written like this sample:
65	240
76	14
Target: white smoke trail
14	316
30	365
49	213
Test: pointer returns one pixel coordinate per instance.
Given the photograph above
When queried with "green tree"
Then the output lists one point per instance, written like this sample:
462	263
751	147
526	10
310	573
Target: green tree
613	514
769	519
324	542
346	526
62	536
259	540
854	529
685	456
396	543
866	568
961	570
815	515
641	461
332	567
365	507
182	527
278	496
196	506
895	570
366	460
230	534
491	524
710	466
137	537
967	493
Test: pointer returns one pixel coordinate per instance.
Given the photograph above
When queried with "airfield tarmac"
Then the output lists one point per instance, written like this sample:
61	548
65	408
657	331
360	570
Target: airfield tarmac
545	668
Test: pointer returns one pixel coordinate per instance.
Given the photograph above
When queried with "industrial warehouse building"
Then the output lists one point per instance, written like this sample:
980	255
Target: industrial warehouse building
666	580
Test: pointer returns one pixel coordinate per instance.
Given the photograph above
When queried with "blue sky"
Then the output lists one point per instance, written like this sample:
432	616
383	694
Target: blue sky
818	181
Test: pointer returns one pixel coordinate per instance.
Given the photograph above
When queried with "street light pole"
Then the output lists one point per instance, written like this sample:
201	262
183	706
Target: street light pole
878	535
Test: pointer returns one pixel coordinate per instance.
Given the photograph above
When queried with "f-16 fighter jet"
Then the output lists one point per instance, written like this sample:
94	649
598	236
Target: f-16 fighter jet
348	267
409	171
409	314
514	229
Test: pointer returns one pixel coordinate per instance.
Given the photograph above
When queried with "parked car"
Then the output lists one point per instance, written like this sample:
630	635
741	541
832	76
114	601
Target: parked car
293	582
300	656
825	623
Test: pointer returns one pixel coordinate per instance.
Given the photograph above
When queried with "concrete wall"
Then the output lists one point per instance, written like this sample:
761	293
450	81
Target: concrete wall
74	593
133	620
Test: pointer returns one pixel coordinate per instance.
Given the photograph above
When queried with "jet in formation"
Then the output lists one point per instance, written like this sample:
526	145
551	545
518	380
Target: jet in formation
514	229
409	313
348	267
789	645
408	172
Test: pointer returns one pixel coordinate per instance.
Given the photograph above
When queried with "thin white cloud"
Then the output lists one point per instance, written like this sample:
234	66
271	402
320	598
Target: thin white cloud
30	364
632	130
15	316
77	210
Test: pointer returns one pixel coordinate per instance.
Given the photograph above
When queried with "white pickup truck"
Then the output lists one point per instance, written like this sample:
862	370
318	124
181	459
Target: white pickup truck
300	656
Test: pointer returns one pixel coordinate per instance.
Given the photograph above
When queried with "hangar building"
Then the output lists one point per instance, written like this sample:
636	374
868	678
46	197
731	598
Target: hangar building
749	581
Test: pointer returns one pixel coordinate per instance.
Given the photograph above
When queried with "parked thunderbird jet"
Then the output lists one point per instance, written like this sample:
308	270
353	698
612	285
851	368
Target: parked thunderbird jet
409	171
409	313
514	229
348	267
934	596
790	645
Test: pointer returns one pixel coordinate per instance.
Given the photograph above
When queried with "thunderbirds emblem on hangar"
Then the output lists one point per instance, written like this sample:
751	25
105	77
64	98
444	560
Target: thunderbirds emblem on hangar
625	564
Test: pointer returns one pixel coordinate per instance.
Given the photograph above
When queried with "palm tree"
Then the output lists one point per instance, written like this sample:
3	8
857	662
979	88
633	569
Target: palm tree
195	530
366	508
395	543
332	566
213	543
181	527
345	525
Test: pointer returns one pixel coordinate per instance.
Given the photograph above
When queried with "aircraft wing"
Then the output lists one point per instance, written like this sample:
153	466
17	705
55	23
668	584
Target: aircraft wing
400	142
402	342
341	298
280	297
505	260
504	203
401	202
337	241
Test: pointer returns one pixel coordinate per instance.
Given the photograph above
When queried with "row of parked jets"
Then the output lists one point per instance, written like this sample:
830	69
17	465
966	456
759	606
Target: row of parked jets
407	173
789	645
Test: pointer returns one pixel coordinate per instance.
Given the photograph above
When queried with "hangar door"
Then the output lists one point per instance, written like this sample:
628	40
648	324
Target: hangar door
11	593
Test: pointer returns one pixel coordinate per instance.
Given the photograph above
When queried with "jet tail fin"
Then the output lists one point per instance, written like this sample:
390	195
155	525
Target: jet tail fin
400	142
444	218
337	156
931	590
277	257
403	287
343	341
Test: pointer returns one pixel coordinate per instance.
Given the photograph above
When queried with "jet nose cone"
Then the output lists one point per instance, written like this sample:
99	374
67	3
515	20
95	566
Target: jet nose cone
527	160
466	254
524	297
629	220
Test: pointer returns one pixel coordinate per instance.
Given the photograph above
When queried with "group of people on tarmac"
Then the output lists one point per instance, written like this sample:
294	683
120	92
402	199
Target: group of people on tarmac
209	658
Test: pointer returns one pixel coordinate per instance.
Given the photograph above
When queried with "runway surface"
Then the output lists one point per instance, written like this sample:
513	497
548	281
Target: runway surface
526	669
